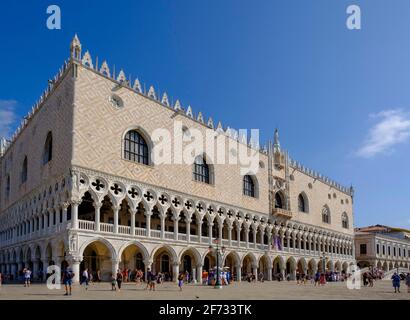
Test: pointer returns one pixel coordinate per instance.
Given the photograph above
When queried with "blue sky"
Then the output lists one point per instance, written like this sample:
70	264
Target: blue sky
340	98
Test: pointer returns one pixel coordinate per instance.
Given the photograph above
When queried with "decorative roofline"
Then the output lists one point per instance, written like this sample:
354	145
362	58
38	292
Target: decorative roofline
318	176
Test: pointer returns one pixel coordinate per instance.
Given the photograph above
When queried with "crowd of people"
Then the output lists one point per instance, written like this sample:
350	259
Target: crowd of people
151	278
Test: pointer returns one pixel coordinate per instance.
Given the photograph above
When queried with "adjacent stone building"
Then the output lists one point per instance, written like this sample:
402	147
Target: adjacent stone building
383	247
79	186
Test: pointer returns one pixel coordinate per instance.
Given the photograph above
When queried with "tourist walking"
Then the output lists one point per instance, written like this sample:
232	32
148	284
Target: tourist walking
396	282
113	282
120	279
85	278
27	277
153	281
408	282
1	279
322	279
67	281
180	281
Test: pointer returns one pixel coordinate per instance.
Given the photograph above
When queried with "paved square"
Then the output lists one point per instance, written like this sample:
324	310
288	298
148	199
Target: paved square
237	291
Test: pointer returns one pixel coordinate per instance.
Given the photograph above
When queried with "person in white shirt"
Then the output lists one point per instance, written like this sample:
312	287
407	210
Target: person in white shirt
85	278
27	277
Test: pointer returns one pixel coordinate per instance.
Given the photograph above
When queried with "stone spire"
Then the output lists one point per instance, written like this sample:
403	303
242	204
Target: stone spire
75	48
3	145
276	143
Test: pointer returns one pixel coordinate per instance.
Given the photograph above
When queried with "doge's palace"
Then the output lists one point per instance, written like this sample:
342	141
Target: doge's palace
81	186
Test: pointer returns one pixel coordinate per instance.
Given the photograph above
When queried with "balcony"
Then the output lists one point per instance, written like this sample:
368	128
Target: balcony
279	212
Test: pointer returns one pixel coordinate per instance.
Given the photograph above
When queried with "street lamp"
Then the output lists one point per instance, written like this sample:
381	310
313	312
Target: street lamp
218	284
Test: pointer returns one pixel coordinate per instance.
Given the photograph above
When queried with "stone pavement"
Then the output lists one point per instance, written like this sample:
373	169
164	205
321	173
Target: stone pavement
237	291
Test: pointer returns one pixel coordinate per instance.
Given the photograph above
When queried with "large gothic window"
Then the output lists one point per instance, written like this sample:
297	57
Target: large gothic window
278	200
135	147
48	149
302	203
345	220
201	170
326	214
248	186
24	171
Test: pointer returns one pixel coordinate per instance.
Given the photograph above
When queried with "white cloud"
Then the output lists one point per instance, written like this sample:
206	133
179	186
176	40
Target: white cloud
392	128
7	117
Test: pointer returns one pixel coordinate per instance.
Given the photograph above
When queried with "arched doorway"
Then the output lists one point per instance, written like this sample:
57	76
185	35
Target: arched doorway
189	261
162	262
277	269
263	267
97	258
291	268
312	268
247	265
209	262
132	258
231	263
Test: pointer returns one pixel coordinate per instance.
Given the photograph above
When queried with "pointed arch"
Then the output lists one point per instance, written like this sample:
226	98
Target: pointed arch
24	171
279	200
326	217
345	221
303	202
48	148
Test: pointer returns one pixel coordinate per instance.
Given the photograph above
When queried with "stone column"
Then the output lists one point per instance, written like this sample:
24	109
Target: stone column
116	211
163	217
199	274
238	273
283	272
148	266
175	271
262	236
35	269
270	270
210	225
148	215
97	207
200	231
74	214
75	266
220	226
194	275
238	234
255	272
188	229
300	242
247	235
45	266
230	227
115	265
133	213
255	231
176	219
